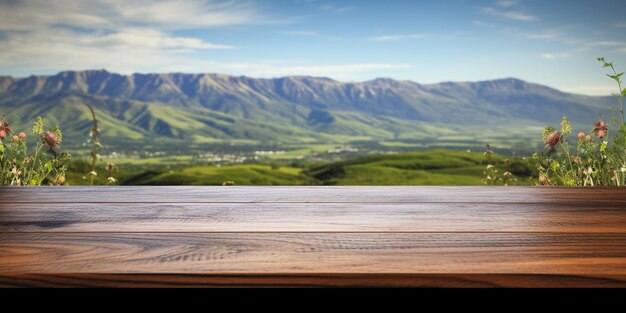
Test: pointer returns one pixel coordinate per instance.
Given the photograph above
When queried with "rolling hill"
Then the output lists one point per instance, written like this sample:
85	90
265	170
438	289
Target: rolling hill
205	108
436	167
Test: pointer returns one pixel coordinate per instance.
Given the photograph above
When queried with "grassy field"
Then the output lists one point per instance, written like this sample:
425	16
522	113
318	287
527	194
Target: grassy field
255	175
436	167
428	168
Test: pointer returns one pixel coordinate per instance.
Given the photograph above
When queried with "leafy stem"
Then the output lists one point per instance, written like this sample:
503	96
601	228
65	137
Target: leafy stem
618	78
95	143
33	162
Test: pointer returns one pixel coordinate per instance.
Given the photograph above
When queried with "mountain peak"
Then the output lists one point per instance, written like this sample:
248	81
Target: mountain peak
5	83
389	82
73	73
382	80
190	106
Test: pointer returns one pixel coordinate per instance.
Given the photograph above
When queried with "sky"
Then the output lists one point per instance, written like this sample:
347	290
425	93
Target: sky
550	42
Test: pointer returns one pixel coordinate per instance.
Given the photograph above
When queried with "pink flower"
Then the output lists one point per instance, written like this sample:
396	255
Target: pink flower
581	136
50	139
22	136
588	138
16	138
553	139
5	126
600	128
3	134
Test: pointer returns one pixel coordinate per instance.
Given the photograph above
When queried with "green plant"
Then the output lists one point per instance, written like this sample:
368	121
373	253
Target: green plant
495	173
94	141
42	165
596	162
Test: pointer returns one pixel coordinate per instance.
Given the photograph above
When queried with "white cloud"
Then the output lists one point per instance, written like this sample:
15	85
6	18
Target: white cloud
561	36
514	15
306	33
506	3
556	55
591	90
121	35
607	43
112	14
125	51
278	68
148	38
547	35
121	53
563	54
336	9
329	70
397	37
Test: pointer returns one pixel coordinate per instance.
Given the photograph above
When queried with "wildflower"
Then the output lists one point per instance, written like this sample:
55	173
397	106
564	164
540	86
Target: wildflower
553	139
3	134
38	127
576	160
60	181
588	179
50	139
566	127
111	180
488	152
16	181
507	174
600	128
588	138
92	173
22	136
543	180
581	136
28	159
16	138
5	126
490	166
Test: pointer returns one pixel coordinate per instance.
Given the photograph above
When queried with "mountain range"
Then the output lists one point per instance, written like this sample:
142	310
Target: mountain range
204	108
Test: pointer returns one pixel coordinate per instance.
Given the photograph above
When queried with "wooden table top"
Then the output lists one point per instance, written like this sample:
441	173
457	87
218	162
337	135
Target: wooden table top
312	236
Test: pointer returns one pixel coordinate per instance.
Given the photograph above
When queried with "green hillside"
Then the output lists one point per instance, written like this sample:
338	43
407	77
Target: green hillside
430	168
140	111
437	167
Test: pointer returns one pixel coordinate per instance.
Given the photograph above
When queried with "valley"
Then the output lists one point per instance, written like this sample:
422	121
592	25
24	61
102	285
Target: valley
209	128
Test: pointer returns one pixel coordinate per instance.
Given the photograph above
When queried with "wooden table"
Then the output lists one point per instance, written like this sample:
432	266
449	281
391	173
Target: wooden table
312	236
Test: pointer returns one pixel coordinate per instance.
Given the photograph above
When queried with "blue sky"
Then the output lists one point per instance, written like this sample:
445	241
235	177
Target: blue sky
551	42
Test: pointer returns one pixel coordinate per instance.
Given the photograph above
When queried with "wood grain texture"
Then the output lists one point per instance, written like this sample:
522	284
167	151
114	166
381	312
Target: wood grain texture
313	217
70	280
317	194
417	253
312	236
